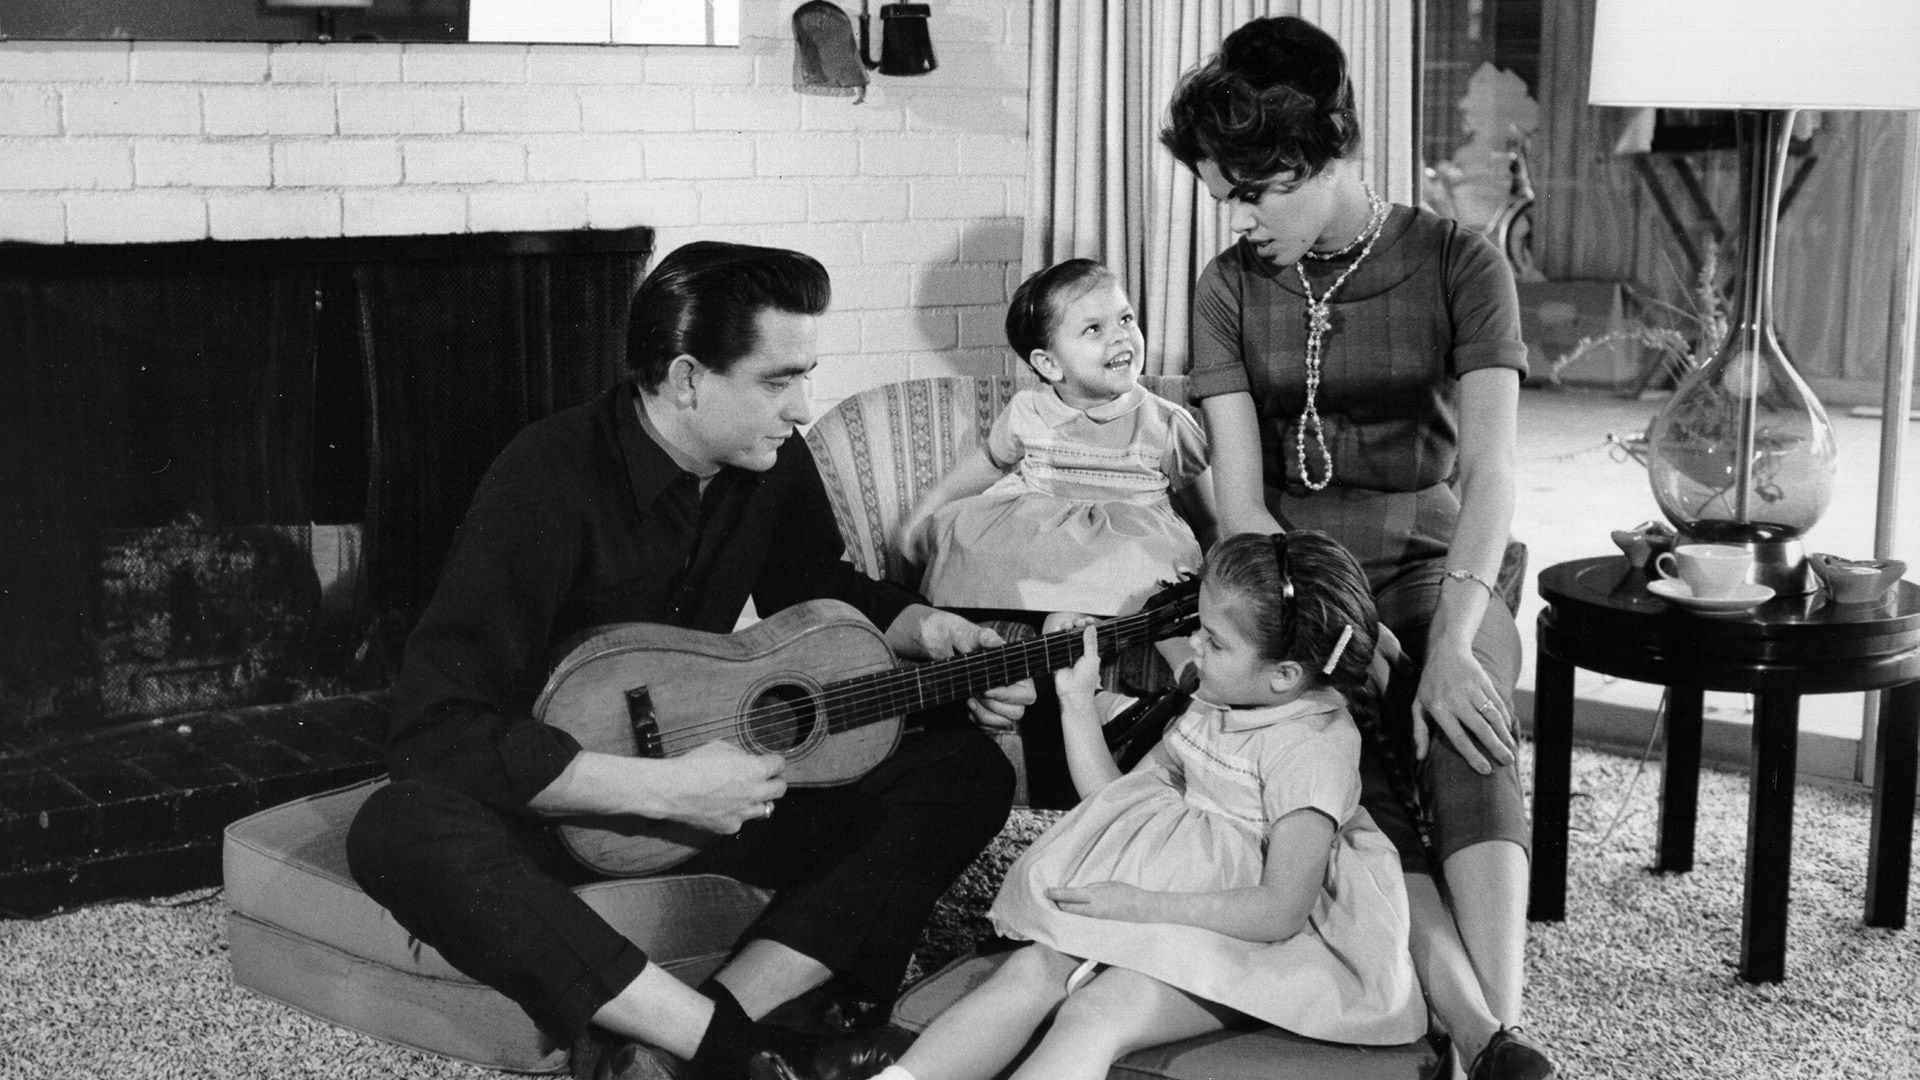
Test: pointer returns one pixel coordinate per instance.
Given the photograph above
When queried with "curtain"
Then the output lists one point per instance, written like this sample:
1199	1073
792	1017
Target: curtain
451	382
1101	187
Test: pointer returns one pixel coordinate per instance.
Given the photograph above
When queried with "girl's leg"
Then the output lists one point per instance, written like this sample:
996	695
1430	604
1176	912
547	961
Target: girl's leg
984	1031
1115	1013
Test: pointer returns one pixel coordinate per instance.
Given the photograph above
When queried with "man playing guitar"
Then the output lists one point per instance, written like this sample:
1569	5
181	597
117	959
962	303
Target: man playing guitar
669	499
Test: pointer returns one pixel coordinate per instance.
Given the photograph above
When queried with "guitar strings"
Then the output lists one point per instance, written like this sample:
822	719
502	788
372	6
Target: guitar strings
901	698
904	698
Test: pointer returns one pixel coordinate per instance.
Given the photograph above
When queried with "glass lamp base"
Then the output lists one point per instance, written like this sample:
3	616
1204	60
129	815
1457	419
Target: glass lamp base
1779	559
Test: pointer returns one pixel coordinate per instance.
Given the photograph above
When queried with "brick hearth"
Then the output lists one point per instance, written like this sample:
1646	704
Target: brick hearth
137	811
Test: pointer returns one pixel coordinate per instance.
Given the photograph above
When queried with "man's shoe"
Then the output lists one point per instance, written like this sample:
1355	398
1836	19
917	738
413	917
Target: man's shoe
861	1056
1511	1055
769	1065
855	1058
831	1012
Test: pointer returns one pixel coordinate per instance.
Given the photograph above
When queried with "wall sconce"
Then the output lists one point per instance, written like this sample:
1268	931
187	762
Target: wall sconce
905	48
322	9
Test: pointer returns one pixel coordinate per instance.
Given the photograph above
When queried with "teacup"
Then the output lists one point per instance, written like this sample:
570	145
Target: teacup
1709	570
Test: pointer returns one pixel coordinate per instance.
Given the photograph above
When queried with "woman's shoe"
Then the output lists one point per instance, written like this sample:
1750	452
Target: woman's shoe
1511	1055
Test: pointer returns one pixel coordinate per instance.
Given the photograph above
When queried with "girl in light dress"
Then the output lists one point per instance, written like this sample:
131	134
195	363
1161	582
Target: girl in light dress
1066	505
1232	874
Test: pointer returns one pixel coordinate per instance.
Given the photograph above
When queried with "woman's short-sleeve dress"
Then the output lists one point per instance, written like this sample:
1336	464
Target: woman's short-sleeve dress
1194	817
1083	522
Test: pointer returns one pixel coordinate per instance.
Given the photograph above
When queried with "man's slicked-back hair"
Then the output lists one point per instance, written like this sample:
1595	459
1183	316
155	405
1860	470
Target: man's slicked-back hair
703	301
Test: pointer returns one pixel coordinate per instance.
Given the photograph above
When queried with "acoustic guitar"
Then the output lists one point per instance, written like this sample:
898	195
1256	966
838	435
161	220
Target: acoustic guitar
815	683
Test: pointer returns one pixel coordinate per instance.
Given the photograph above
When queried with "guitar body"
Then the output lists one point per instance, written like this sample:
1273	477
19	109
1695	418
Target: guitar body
815	683
759	688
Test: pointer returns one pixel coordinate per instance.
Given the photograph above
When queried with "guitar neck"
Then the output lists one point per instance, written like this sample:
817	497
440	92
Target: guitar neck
870	699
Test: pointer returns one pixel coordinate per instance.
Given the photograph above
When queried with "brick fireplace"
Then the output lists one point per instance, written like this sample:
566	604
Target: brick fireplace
238	465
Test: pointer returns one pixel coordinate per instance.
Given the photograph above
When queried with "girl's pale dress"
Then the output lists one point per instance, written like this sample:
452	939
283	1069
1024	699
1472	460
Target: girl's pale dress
1083	521
1194	817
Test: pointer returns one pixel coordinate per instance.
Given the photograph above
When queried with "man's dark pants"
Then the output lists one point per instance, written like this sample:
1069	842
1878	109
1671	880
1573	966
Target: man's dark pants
856	870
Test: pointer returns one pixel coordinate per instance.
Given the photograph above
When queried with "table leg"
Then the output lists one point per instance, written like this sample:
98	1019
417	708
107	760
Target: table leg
1890	846
1552	786
1763	933
1680	781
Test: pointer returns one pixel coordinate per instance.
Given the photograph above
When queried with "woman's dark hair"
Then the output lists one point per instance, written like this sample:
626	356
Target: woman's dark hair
1037	304
1330	593
1274	100
704	298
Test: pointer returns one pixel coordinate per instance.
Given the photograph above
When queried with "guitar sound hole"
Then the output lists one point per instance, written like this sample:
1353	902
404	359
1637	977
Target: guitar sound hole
782	719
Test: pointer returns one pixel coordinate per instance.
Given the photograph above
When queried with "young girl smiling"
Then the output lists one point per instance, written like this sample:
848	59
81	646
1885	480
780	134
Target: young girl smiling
1066	505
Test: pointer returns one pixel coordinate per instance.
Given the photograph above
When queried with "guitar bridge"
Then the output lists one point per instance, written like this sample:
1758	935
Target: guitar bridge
640	719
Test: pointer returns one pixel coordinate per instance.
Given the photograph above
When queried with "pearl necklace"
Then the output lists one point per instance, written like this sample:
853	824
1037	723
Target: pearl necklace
1376	208
1319	321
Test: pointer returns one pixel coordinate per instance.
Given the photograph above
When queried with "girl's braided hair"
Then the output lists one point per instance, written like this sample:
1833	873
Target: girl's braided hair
1330	594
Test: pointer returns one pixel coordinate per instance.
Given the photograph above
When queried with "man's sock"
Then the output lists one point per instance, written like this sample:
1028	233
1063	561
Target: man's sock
731	1039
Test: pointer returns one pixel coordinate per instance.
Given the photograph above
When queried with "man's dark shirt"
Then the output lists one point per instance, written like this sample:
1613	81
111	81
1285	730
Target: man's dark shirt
581	521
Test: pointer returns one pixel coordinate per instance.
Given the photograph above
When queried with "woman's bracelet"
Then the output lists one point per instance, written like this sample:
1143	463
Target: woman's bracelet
1468	575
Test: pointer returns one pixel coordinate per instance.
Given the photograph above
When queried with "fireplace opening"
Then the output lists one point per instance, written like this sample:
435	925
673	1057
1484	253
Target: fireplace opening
235	467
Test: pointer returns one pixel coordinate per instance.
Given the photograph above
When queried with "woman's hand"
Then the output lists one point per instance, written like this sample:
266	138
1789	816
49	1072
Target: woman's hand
1106	900
1458	696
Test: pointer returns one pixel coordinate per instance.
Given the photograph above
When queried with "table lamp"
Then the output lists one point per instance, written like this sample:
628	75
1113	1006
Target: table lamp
1743	453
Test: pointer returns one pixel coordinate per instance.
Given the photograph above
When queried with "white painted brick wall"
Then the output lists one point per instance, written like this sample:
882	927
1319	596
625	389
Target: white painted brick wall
912	199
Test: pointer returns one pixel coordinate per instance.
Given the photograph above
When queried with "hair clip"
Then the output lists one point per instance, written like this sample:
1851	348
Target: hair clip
1339	648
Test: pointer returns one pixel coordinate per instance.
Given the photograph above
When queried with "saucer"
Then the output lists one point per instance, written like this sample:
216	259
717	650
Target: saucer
1740	599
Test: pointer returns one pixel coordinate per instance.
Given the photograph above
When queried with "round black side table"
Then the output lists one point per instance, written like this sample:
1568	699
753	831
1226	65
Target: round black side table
1600	616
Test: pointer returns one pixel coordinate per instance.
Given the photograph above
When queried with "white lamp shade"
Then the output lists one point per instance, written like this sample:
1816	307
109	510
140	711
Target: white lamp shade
1757	54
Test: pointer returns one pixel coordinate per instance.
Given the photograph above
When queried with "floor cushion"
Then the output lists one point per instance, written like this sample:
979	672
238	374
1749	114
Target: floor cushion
301	932
1265	1053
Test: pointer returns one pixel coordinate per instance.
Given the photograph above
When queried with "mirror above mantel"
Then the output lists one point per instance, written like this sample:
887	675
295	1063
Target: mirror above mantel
603	22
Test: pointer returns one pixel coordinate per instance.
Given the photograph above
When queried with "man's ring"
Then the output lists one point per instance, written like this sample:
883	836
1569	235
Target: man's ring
768	812
1484	706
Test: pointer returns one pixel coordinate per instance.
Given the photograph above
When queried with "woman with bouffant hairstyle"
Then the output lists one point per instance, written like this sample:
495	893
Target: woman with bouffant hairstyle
1359	365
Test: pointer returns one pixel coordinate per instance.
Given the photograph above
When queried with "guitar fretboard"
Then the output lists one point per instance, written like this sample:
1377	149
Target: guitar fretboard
869	699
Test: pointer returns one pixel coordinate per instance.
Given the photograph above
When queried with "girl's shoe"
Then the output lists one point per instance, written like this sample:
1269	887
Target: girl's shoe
1511	1055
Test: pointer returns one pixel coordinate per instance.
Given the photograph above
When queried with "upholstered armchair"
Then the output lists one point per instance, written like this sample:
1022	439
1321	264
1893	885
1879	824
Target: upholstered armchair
880	450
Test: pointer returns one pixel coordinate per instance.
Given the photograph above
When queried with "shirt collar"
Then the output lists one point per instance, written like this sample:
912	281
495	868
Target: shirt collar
650	469
1057	412
1310	703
